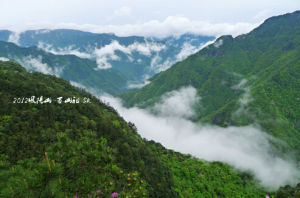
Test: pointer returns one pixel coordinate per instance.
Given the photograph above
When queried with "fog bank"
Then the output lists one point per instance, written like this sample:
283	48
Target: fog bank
245	148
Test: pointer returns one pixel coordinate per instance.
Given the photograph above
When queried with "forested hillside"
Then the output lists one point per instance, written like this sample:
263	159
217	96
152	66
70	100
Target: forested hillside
85	148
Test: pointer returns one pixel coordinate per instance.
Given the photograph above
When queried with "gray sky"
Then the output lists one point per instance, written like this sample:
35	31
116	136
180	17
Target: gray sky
143	17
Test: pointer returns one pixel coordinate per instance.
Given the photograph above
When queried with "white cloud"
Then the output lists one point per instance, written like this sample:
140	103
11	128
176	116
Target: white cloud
244	100
218	43
186	50
77	84
106	53
246	97
63	51
159	67
155	62
3	59
146	48
14	37
36	64
245	148
123	11
44	31
178	103
92	90
170	26
176	25
95	12
138	85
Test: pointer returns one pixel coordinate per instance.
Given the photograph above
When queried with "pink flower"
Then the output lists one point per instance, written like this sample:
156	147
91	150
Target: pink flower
75	196
99	191
267	196
115	194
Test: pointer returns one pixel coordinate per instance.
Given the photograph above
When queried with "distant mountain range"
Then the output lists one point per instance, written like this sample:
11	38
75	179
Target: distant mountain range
253	78
136	58
81	72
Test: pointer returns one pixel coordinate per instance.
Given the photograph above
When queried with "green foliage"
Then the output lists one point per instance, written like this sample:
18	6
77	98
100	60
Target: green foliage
196	178
85	143
71	168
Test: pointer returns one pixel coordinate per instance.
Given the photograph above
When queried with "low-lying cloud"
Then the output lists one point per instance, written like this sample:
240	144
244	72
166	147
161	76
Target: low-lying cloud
36	64
218	43
14	38
244	100
138	85
245	148
106	53
69	50
3	59
186	50
178	104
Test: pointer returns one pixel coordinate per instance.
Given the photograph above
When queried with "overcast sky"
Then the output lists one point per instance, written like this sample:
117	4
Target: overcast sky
143	17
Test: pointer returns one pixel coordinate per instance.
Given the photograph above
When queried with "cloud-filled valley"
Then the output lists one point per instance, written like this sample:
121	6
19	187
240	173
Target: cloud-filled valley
245	148
107	53
153	55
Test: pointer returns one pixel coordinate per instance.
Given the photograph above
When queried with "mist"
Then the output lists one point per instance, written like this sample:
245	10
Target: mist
62	51
37	64
244	148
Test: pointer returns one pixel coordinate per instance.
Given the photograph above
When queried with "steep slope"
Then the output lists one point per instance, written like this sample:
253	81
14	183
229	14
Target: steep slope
65	149
69	67
138	58
253	78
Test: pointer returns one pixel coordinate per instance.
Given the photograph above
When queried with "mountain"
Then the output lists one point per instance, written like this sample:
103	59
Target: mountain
253	78
137	58
72	68
65	149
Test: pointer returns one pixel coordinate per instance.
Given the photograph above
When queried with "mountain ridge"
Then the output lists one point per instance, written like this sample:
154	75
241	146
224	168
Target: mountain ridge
258	59
136	57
